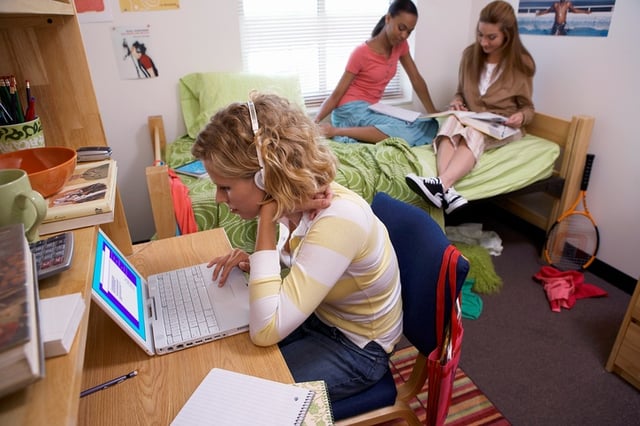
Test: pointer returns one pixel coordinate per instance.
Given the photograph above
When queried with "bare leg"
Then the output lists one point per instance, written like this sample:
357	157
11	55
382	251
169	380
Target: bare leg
445	152
459	165
369	134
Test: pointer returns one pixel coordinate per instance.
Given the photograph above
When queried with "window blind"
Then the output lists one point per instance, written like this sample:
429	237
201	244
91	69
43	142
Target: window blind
310	38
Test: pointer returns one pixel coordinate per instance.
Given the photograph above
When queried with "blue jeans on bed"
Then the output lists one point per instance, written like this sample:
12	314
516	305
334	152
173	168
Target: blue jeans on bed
358	114
316	351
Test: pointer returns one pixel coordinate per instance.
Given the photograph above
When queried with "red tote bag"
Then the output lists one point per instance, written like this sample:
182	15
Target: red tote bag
443	360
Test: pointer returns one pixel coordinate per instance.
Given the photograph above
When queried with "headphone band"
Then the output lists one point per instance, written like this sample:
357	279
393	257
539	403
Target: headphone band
254	117
259	176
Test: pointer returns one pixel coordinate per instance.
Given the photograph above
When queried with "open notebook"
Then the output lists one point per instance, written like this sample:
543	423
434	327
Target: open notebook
227	398
172	310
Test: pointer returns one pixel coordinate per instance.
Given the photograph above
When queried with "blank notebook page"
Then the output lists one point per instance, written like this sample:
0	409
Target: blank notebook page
228	398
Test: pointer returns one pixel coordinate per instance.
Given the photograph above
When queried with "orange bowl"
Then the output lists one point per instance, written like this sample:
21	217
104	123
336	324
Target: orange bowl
49	167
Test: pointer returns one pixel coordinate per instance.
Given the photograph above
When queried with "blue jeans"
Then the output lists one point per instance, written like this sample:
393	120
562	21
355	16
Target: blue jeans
358	114
316	351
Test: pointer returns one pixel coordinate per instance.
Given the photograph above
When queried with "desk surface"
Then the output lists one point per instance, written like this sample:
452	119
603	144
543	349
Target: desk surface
164	382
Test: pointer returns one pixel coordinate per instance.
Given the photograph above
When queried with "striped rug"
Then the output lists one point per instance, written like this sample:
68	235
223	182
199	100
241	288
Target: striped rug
469	406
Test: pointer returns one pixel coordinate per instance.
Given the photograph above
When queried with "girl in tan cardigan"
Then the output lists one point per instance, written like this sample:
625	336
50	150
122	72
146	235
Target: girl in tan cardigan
496	75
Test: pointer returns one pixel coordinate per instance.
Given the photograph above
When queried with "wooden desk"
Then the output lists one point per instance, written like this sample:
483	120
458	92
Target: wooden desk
54	399
164	382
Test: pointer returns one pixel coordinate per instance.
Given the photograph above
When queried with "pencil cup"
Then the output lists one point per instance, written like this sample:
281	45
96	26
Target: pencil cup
14	137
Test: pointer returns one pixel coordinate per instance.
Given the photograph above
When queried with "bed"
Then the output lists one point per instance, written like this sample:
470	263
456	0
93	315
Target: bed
535	178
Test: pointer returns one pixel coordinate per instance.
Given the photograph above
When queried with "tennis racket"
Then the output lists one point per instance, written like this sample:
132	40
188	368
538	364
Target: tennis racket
573	241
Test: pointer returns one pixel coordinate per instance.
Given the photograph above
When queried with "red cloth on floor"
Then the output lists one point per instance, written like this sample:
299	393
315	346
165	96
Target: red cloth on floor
563	288
182	205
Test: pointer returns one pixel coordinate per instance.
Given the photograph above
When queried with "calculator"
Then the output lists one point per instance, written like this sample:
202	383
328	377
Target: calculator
53	254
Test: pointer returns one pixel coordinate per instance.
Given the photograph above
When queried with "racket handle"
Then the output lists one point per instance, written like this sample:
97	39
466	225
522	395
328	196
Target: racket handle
586	174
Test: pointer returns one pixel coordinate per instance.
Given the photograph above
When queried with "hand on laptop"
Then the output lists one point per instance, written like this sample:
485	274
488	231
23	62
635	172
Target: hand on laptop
222	265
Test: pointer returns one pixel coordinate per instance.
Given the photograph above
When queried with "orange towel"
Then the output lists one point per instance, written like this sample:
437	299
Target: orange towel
182	205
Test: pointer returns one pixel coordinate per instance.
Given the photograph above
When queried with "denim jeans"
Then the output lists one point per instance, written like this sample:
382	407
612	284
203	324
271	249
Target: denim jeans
316	351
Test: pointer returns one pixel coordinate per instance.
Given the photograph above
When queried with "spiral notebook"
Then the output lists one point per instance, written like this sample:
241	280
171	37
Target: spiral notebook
320	411
228	398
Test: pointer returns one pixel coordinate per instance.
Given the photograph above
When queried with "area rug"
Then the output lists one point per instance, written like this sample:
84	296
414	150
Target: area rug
469	406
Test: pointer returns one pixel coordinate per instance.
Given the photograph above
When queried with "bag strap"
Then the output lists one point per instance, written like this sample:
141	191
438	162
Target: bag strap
447	273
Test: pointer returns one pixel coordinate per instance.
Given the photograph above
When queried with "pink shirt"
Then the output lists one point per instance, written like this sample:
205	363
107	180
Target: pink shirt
373	72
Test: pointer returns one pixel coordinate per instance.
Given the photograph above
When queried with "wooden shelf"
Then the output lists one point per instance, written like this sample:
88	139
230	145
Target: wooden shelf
31	7
40	41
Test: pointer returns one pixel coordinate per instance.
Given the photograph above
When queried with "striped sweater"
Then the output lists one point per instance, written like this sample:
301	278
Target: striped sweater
343	268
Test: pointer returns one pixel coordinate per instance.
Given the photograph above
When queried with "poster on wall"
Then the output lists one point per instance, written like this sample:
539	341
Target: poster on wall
148	5
93	11
132	47
581	18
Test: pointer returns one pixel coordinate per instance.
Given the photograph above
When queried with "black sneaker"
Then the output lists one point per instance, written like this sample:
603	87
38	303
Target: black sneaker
453	200
428	188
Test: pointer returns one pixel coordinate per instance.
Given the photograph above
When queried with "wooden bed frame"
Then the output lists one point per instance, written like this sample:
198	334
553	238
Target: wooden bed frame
554	195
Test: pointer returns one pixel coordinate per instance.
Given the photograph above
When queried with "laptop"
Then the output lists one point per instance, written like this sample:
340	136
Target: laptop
139	306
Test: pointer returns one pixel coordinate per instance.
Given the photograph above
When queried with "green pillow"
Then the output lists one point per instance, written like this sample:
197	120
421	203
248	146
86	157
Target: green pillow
203	94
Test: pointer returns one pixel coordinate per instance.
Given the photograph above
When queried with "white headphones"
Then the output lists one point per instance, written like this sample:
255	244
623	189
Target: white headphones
258	178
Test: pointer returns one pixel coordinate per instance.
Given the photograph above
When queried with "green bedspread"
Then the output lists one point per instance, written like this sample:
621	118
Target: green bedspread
364	168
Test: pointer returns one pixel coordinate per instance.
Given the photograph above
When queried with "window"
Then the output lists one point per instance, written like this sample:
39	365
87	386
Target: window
310	38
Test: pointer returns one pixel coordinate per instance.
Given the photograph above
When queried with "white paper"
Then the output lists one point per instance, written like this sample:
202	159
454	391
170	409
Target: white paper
229	398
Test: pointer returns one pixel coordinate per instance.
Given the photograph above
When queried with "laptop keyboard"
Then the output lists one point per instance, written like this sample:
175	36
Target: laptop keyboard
187	311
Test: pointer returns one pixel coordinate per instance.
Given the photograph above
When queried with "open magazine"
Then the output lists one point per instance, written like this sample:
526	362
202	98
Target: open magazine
486	122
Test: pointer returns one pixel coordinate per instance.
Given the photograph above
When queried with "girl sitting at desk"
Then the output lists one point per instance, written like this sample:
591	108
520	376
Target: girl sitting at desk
337	314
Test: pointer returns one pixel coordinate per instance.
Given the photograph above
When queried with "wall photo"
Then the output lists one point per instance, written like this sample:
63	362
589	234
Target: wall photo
132	47
581	18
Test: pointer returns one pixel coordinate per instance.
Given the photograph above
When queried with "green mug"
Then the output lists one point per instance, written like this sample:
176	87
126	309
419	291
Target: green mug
20	203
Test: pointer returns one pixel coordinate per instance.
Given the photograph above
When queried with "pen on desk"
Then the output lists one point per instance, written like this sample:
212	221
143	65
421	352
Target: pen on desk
108	384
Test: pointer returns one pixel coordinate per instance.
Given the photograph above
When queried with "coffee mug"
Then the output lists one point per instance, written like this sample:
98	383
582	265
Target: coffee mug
20	203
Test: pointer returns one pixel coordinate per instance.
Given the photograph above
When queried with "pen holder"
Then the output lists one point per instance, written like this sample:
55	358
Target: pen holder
14	137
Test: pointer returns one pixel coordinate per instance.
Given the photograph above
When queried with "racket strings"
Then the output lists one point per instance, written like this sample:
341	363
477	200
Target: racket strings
573	242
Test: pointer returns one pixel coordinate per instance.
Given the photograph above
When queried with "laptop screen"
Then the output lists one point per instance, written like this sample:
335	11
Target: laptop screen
119	286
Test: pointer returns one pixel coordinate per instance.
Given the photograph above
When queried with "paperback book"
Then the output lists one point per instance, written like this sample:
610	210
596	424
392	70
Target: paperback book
88	198
21	347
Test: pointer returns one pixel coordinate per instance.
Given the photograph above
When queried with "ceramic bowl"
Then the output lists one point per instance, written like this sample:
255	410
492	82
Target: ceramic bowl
49	168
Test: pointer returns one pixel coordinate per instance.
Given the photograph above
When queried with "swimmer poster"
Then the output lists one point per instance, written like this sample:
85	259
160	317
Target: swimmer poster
580	18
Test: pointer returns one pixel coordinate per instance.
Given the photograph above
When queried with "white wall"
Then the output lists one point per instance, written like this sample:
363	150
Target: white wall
592	76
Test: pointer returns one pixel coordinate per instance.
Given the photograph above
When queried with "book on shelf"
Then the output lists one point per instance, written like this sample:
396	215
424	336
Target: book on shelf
21	347
193	168
486	122
88	198
320	411
238	399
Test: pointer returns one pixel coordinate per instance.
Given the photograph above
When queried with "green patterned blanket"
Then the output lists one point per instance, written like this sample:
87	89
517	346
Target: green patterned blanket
364	168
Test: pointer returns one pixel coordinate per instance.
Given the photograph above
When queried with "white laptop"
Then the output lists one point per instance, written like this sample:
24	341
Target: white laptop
138	306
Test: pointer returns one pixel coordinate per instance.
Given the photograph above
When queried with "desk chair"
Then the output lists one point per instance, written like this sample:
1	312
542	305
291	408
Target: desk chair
419	244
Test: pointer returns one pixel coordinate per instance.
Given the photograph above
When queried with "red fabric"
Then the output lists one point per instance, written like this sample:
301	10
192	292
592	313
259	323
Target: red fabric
563	288
182	205
442	370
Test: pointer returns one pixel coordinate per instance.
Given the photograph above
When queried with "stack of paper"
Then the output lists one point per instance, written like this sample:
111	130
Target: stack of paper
60	317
